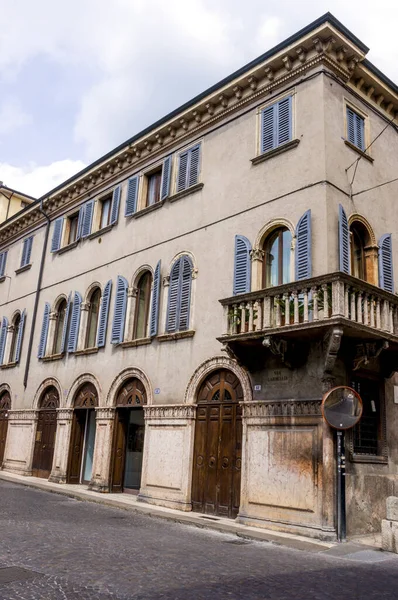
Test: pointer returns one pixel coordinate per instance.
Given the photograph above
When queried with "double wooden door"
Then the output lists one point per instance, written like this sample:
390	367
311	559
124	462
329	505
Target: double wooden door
81	451
218	448
5	405
128	448
44	443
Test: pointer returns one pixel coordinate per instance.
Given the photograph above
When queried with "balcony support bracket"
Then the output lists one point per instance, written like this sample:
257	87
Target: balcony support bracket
367	352
331	345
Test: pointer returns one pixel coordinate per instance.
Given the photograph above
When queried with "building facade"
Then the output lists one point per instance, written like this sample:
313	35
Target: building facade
173	314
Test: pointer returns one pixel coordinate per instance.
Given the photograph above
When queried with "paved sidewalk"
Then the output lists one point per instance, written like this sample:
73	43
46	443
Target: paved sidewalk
129	502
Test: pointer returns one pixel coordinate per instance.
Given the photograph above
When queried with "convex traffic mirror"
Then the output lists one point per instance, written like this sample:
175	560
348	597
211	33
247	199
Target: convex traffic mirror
342	407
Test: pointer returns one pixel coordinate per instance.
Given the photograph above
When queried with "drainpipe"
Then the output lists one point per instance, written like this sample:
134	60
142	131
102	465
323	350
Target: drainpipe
39	280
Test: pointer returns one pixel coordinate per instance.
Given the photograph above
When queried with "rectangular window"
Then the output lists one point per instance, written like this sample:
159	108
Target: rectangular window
26	251
276	124
188	168
73	222
355	129
153	187
3	260
368	434
106	204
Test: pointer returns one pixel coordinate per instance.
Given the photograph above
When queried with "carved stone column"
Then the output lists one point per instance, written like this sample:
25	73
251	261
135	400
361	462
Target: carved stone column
62	444
372	264
130	312
163	304
257	258
100	477
10	332
85	307
51	332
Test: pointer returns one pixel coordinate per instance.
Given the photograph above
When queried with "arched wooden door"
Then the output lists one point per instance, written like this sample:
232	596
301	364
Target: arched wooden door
81	449
128	439
218	446
5	406
45	433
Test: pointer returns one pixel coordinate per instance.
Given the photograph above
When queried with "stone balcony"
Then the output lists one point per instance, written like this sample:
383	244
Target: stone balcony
305	309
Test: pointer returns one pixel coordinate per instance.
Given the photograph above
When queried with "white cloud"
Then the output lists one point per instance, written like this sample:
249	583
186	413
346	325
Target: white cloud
36	180
12	116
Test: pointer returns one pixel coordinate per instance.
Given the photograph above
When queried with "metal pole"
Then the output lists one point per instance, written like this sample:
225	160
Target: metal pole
340	495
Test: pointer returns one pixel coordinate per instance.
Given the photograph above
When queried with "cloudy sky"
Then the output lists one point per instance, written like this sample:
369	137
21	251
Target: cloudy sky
78	77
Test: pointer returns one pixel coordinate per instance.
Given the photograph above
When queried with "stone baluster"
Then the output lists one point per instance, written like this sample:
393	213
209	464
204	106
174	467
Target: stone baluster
267	312
352	312
359	308
346	302
305	302
378	314
366	309
277	307
249	307
314	291
338	299
242	308
391	319
227	320
286	298
372	310
325	301
385	315
296	307
235	319
259	315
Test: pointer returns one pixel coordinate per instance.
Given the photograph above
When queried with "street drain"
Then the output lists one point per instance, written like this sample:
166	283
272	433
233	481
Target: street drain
10	574
237	542
210	518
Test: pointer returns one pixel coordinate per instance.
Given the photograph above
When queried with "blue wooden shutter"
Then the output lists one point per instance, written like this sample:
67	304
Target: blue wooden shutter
350	126
88	217
172	304
80	222
184	293
284	116
44	331
23	256
3	338
268	128
132	195
386	273
153	329
166	172
66	324
119	315
194	159
26	251
103	318
74	323
115	205
355	129
57	233
20	336
303	247
344	241
3	260
242	266
182	171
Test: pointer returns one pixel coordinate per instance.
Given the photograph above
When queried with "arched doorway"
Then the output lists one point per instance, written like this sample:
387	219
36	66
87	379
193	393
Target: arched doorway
45	433
128	439
81	450
5	406
218	446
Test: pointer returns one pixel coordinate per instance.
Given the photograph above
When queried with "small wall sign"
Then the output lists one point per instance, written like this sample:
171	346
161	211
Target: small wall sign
157	390
257	388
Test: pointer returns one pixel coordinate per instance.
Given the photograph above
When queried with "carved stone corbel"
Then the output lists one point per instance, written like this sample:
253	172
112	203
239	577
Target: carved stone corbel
228	350
197	116
269	73
341	53
301	54
287	62
172	132
352	63
253	83
318	45
359	83
223	100
331	344
184	124
238	92
210	108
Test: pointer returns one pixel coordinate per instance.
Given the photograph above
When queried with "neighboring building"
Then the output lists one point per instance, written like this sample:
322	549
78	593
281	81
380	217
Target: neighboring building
12	202
122	370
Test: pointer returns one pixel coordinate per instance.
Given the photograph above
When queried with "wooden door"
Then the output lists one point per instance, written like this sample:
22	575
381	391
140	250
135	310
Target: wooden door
119	449
218	446
76	446
44	443
5	405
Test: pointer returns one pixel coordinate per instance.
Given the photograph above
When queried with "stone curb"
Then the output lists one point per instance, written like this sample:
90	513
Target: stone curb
185	518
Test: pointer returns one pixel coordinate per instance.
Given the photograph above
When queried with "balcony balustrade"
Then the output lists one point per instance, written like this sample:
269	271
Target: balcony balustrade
335	297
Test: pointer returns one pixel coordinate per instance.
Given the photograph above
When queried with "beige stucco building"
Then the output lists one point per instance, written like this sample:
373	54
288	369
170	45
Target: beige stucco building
121	369
12	201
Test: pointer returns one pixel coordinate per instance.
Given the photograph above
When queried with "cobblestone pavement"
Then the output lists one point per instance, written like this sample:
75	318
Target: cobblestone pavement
52	547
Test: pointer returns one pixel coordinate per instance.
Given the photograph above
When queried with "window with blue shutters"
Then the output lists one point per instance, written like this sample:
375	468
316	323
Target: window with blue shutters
57	234
166	178
119	314
66	324
355	129
26	251
303	261
386	273
44	331
155	301
132	196
276	124
115	205
3	338
103	317
73	337
344	242
188	168
87	219
3	261
242	265
18	333
179	301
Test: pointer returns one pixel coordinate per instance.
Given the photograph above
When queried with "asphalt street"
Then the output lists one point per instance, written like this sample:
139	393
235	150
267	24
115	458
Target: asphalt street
53	547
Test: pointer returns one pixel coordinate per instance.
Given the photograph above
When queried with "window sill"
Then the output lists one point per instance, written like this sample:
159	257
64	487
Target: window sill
22	269
361	152
187	192
147	209
52	357
68	247
275	151
9	365
2	279
365	458
134	343
177	335
86	351
98	233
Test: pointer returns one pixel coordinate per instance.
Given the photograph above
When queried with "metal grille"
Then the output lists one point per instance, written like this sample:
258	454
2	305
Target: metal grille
366	433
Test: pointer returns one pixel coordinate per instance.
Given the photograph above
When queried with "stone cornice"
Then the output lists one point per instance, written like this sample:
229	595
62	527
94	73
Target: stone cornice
170	411
281	408
323	45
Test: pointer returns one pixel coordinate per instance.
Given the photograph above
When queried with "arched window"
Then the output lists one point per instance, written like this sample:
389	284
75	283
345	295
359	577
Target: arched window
16	324
179	304
358	265
142	303
277	257
59	327
92	319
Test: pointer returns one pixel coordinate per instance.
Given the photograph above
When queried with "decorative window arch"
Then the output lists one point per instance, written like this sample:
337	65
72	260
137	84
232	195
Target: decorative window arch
61	313
143	291
363	249
16	330
93	305
260	249
178	316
